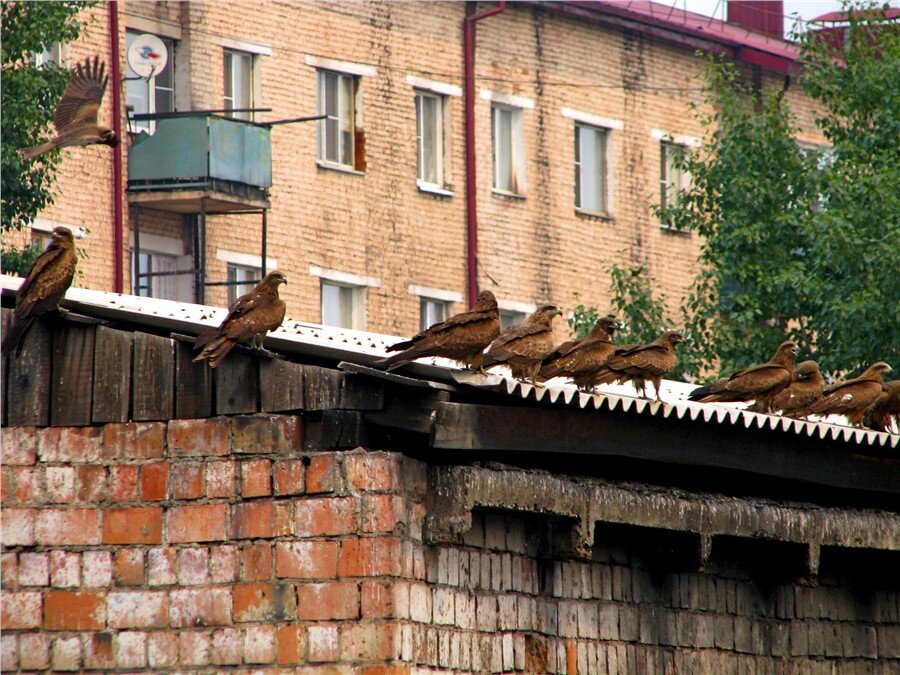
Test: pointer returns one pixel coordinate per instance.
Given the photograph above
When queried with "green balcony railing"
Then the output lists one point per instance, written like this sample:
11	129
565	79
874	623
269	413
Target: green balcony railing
206	152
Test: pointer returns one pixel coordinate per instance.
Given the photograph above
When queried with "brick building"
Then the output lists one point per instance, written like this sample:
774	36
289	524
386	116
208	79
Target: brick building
576	107
310	514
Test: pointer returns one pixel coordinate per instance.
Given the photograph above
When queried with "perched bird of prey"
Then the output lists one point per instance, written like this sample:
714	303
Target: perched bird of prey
45	285
463	337
643	363
758	383
878	415
806	386
76	113
850	398
250	316
581	361
523	347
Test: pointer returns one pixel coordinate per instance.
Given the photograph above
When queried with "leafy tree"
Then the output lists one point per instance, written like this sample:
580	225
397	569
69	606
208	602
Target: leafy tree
633	303
29	94
751	188
854	237
796	242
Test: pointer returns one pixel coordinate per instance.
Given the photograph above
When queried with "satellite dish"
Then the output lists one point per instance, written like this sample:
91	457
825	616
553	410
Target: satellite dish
147	55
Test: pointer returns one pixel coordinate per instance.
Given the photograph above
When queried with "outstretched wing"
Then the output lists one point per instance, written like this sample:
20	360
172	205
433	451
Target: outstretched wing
80	102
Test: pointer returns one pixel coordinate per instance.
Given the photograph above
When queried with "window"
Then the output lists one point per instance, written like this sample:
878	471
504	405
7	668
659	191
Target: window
343	305
337	142
56	53
590	168
156	95
248	276
673	178
40	240
430	138
238	83
431	311
165	287
508	149
510	317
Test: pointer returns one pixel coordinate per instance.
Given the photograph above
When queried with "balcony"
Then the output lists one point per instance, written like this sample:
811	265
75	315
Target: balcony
202	162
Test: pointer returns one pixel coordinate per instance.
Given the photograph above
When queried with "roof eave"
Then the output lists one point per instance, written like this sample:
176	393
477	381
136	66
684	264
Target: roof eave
621	17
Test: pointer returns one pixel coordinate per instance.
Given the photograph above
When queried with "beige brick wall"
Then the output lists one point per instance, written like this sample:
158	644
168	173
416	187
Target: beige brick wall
379	224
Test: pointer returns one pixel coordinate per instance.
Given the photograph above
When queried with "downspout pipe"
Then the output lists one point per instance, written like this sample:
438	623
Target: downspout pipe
469	130
118	187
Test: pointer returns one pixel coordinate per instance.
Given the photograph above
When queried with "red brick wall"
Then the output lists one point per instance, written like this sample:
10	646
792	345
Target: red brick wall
213	543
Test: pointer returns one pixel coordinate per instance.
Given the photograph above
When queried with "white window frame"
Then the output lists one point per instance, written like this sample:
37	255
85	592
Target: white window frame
251	276
669	191
151	84
516	160
602	162
164	247
440	143
359	285
355	122
520	310
357	295
232	52
424	320
434	295
57	53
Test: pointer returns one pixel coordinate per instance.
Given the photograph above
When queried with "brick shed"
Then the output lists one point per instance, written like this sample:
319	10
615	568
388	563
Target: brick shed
308	513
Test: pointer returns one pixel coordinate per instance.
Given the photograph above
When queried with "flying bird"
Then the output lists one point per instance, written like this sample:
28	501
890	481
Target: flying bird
850	398
524	346
643	364
250	316
76	113
463	337
758	383
45	285
582	360
806	386
887	406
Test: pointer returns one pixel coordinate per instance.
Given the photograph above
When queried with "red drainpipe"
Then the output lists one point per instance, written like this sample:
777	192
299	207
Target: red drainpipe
116	77
469	104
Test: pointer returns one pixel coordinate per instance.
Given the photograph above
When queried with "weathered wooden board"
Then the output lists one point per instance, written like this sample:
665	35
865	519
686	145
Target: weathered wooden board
153	378
72	374
280	385
334	430
327	389
6	316
237	384
193	384
112	375
321	388
28	386
679	442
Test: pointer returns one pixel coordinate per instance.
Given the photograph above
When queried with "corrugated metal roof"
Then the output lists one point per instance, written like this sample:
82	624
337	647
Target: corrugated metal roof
691	24
362	347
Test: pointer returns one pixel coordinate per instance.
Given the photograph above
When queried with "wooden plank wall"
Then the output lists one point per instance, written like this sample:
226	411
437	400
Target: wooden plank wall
76	374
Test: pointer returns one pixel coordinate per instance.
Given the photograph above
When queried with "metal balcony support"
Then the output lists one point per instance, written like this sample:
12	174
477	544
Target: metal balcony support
198	225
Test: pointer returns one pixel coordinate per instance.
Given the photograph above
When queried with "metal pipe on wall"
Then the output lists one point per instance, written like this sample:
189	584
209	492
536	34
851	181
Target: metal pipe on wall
469	130
118	186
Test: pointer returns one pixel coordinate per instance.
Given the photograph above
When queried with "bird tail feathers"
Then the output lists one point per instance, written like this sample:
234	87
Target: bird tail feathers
400	346
215	351
700	393
29	153
15	338
398	360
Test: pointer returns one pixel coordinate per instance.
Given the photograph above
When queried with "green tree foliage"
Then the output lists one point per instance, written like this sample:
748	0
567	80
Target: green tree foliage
633	303
29	94
751	188
854	237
